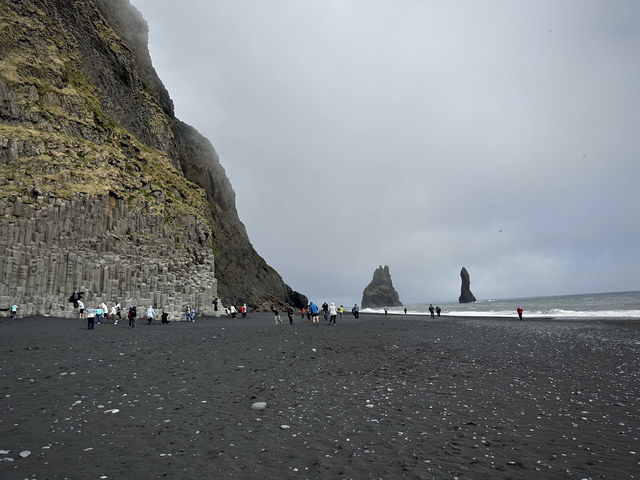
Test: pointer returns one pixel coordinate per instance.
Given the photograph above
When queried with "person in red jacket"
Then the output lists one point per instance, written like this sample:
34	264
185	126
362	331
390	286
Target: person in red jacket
519	310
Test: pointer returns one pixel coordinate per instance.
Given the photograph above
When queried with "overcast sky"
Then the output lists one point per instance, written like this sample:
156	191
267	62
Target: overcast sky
503	136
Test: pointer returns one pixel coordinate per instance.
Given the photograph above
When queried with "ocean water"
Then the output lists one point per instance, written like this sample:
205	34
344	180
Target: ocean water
617	305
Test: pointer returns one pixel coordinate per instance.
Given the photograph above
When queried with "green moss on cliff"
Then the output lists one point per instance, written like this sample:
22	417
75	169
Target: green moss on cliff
68	165
64	142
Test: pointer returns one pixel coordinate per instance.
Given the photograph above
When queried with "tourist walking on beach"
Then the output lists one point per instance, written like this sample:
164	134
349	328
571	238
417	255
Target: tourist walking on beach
105	309
244	310
438	310
333	313
341	311
99	311
164	318
519	310
14	311
150	314
325	310
80	309
386	310
276	315
91	315
312	310
355	311
290	315
405	310
431	311
302	312
132	316
118	309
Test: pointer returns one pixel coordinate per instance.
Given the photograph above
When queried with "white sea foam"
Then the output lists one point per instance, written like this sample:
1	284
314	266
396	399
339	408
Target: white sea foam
553	313
621	305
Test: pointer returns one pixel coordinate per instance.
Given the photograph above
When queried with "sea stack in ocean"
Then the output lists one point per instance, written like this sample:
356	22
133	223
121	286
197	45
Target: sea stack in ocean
465	291
380	292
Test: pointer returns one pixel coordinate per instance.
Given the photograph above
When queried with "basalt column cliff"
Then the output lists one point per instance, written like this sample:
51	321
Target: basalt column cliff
101	187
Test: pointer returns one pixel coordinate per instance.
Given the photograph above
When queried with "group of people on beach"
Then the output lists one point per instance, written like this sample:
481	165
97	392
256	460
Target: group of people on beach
189	314
232	311
101	312
330	312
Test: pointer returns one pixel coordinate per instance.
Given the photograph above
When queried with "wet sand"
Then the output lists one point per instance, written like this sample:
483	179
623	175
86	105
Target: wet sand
394	397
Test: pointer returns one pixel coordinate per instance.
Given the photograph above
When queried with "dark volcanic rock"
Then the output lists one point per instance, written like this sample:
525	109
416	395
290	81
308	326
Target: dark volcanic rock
465	291
380	292
107	190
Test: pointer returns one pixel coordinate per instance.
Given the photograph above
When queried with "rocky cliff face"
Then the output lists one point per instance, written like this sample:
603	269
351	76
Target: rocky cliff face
102	188
244	276
96	243
380	292
465	291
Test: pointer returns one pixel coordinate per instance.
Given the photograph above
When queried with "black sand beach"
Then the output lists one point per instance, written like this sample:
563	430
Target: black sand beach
394	397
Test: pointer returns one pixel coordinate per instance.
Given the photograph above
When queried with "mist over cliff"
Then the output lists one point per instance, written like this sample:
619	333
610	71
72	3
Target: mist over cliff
104	188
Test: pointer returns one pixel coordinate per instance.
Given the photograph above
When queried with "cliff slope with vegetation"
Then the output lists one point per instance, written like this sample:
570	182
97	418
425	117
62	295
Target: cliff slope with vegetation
101	187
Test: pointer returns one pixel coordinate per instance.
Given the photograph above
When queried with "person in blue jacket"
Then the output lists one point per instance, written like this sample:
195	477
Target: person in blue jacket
313	308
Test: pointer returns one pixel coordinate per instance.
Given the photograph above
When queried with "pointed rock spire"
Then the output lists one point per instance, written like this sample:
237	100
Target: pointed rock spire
380	292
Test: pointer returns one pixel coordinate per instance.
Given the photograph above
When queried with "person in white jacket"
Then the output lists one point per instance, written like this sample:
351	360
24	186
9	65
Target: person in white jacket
150	314
333	313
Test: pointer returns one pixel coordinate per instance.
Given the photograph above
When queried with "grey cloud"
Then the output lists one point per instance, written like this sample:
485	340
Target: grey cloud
410	133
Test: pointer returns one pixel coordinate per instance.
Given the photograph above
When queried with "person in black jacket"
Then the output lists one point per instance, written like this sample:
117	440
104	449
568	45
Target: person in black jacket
132	316
75	296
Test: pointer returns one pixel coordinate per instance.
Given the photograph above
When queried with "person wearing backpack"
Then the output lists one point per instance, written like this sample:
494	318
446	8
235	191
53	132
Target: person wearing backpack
313	310
132	316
